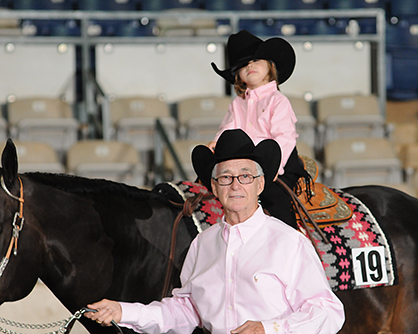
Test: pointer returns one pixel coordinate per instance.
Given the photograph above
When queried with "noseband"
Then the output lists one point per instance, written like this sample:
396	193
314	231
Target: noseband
17	224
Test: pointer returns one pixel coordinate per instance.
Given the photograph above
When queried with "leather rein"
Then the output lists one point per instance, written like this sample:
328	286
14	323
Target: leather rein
17	224
187	210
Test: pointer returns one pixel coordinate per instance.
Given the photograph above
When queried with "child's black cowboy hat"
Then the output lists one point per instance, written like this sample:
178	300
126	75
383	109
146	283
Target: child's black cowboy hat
235	144
243	47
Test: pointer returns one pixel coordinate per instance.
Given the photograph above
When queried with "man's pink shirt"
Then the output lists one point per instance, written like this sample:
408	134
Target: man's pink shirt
260	270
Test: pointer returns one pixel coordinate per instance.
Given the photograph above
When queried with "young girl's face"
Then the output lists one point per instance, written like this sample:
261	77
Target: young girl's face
255	73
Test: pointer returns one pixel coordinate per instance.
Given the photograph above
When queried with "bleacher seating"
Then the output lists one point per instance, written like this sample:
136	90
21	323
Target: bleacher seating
402	111
404	8
352	4
403	135
42	4
50	28
43	119
200	117
133	121
411	165
233	4
402	59
110	160
157	5
306	124
37	157
401	48
109	5
183	149
360	161
122	28
348	116
3	129
294	4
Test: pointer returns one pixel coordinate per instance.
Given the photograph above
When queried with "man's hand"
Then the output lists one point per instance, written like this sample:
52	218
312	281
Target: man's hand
250	327
107	310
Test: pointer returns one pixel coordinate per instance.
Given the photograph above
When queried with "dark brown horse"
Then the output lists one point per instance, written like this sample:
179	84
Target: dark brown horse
93	239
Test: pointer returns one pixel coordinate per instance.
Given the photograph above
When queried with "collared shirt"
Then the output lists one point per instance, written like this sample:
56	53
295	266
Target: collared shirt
265	113
261	270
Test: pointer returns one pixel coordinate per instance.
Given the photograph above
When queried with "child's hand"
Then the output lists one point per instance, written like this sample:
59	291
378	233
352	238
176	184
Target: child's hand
212	145
275	178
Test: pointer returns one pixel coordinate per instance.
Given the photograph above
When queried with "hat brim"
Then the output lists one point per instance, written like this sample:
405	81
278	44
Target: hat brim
281	53
267	153
275	49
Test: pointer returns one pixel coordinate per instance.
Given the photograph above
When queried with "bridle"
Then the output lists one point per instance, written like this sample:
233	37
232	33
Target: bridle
17	228
17	224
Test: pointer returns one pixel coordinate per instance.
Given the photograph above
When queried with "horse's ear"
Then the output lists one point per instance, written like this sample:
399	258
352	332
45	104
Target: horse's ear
9	163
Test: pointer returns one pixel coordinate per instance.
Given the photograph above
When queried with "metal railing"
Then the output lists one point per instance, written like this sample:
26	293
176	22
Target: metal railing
161	140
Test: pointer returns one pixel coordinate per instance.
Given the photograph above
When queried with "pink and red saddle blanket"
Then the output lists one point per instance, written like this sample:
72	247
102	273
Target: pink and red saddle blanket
358	254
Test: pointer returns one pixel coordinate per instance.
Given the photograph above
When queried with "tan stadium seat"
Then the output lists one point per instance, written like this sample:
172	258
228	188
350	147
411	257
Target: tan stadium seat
133	120
37	157
3	129
112	160
360	161
45	120
349	116
402	135
183	149
199	117
305	126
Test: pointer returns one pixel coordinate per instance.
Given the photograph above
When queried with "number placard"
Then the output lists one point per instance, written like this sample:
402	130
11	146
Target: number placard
369	265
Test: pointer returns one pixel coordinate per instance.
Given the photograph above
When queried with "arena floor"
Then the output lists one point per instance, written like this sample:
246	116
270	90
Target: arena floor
40	307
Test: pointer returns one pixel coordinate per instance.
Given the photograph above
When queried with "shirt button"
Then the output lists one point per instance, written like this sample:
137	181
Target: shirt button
230	307
232	253
230	280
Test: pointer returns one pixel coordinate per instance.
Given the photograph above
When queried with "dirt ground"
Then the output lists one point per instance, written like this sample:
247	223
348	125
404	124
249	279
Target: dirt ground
40	307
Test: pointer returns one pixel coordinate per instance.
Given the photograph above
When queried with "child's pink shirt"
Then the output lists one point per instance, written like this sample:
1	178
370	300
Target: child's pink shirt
265	113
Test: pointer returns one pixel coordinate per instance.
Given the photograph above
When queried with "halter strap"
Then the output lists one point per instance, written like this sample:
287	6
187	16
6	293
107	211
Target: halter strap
16	227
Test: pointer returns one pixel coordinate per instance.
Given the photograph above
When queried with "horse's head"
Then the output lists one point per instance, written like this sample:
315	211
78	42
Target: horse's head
17	241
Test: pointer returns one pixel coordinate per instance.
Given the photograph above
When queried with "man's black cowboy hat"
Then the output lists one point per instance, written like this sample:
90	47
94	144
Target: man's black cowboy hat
244	46
235	144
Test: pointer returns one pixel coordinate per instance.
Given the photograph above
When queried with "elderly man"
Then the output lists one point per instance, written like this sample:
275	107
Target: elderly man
250	273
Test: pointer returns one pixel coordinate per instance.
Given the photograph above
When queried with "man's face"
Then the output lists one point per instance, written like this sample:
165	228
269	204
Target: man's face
237	198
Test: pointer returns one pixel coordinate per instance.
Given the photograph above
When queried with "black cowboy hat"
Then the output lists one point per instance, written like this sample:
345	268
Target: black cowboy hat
235	144
244	46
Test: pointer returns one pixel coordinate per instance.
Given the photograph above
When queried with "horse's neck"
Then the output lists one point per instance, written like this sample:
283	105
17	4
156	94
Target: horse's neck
77	259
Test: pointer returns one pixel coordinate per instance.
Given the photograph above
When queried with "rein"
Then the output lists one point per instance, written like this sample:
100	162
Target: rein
188	207
299	207
17	224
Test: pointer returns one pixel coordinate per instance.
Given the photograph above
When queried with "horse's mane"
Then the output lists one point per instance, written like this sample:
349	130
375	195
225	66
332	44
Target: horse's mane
82	185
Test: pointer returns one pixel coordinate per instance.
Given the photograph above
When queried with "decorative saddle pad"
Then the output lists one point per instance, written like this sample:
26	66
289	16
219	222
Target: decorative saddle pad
358	254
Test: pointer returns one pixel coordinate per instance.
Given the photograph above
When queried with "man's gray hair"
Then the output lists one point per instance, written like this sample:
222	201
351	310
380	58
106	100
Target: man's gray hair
257	167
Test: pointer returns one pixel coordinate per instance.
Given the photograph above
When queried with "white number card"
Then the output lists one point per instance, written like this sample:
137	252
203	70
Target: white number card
369	265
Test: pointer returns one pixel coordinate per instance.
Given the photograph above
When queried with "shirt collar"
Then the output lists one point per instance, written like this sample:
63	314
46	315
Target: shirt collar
261	91
247	228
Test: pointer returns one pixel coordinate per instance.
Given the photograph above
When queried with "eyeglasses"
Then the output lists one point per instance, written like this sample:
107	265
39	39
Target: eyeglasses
226	180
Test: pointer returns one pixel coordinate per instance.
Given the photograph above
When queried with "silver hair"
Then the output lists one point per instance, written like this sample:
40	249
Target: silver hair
257	167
